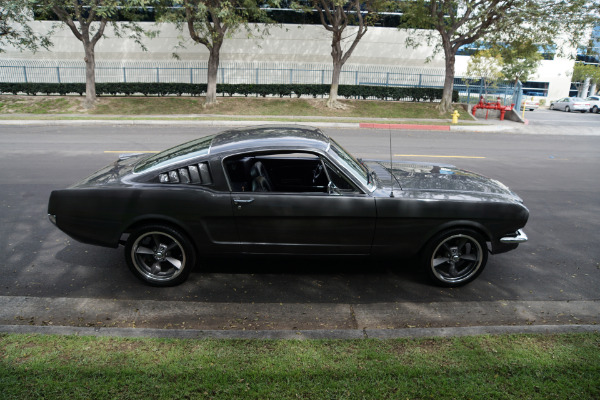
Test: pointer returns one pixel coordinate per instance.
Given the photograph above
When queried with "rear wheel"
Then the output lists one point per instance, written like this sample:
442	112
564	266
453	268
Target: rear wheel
567	109
159	255
455	257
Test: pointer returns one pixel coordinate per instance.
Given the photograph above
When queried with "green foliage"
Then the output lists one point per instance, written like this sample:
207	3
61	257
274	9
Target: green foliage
583	71
521	57
486	66
15	16
179	89
461	22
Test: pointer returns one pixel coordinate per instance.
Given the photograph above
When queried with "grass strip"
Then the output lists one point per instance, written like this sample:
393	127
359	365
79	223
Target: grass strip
251	106
485	367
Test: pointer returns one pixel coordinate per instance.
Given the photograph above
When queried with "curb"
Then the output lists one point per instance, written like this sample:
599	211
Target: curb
406	126
237	123
298	334
92	122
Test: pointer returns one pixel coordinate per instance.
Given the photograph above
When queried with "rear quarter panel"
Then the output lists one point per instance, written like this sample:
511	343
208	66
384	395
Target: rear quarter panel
101	215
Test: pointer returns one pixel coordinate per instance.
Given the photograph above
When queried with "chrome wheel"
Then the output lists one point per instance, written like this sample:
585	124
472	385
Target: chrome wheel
456	257
159	256
567	109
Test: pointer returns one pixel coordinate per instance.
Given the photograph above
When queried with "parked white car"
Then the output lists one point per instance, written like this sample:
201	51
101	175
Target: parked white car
530	104
594	103
569	104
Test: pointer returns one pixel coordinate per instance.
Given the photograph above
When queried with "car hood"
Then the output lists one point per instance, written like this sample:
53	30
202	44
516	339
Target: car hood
112	173
415	176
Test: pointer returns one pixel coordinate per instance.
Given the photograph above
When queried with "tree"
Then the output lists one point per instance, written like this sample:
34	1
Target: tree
486	66
335	16
87	20
210	22
462	22
585	74
15	31
521	58
587	69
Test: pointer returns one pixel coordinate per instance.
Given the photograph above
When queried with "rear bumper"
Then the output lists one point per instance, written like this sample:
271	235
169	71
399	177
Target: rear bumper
519	237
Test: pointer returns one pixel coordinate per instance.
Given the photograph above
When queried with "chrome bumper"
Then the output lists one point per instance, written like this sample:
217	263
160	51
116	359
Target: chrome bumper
520	237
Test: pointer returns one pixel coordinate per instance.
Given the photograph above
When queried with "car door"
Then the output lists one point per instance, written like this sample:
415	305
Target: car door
312	223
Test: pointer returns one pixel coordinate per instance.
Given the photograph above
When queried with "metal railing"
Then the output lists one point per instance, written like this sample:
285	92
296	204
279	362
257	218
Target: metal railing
50	71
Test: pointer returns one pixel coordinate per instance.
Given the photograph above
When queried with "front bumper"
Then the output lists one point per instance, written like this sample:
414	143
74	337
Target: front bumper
519	237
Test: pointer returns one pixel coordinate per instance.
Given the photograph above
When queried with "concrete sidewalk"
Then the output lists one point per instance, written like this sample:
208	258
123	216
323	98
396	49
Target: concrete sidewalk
91	316
478	126
467	121
482	125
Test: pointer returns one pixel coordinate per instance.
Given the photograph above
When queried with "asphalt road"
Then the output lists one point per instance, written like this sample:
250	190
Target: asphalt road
552	118
555	175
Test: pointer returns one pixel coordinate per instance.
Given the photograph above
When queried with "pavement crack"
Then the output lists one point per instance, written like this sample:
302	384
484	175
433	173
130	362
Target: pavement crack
353	321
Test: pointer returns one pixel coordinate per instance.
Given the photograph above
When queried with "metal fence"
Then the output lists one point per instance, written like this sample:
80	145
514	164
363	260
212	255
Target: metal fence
50	71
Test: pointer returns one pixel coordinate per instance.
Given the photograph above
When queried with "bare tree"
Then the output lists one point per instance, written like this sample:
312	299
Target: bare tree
87	20
210	22
335	16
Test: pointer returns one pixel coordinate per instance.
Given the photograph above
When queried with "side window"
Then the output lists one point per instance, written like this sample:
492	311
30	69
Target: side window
291	172
340	181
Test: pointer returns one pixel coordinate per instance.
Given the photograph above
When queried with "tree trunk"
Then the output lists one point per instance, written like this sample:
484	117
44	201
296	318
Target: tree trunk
446	103
213	69
335	82
90	75
593	89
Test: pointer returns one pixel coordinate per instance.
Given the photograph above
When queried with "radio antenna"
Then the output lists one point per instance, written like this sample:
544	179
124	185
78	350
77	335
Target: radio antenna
391	165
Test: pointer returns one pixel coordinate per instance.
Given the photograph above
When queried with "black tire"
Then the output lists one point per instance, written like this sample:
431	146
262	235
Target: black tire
455	257
159	255
567	109
551	106
594	109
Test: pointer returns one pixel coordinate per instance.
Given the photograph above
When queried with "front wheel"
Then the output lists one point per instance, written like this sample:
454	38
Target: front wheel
455	257
159	255
594	109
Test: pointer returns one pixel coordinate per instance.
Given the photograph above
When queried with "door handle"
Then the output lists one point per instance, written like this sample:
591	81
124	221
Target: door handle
240	202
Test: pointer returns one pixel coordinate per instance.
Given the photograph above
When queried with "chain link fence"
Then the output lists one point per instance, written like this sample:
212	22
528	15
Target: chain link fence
51	71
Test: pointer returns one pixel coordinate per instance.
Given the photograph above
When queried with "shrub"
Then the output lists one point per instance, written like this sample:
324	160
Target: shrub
166	89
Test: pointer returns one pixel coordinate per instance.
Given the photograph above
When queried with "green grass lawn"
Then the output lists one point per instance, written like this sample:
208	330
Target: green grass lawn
227	106
485	367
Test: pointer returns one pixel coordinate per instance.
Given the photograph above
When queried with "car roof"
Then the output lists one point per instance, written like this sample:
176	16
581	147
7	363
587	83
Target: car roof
269	137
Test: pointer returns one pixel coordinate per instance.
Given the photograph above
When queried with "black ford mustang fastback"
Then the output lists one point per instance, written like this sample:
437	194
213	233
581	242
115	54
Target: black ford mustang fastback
287	190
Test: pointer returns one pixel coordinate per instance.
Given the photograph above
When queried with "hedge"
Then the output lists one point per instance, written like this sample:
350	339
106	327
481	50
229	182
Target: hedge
179	89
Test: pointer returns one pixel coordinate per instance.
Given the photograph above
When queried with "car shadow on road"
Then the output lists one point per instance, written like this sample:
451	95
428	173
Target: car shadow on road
247	279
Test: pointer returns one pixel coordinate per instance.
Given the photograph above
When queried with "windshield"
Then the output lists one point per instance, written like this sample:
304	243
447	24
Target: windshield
351	164
198	147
